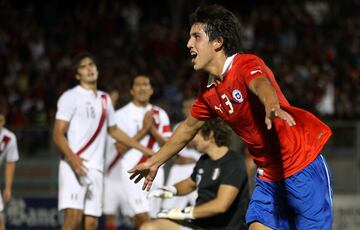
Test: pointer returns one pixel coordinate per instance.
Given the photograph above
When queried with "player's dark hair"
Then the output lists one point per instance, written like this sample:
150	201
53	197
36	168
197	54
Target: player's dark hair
220	23
139	75
78	58
220	130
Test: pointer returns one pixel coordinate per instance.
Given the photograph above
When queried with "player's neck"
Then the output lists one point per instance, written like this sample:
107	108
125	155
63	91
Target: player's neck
140	103
216	152
89	86
217	66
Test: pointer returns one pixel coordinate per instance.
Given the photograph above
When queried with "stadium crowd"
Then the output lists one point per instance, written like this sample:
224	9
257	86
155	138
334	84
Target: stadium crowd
312	47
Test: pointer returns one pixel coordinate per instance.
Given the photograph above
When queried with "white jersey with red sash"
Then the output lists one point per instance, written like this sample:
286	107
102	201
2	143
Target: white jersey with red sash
89	115
8	146
130	119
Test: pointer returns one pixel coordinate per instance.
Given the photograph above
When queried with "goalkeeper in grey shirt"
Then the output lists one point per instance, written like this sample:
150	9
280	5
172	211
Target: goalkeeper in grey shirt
221	182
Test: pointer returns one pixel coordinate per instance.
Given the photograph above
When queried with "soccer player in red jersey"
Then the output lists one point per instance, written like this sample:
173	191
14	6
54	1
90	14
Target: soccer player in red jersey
293	189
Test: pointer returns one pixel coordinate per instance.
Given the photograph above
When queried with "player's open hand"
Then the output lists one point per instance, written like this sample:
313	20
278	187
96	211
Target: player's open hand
275	111
77	164
144	170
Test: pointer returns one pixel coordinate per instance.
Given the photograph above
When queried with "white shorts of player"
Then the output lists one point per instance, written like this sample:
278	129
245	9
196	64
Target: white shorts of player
129	197
76	196
178	173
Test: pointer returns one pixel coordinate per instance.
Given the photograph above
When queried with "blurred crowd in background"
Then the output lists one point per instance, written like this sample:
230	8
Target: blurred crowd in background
311	46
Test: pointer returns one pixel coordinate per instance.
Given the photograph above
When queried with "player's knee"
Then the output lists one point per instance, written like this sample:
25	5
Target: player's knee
72	222
91	223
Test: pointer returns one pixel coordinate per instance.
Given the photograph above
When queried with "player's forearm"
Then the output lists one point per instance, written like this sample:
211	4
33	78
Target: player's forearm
121	148
185	187
208	209
182	135
262	87
61	141
158	137
9	174
123	138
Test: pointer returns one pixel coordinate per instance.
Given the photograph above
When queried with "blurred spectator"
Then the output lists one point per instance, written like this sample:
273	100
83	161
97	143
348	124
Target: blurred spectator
312	47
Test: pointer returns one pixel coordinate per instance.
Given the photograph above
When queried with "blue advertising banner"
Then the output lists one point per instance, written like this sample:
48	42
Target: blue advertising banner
33	213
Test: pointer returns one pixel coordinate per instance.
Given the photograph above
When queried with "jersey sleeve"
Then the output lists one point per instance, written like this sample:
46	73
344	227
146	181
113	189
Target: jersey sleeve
110	112
200	110
254	67
12	152
120	120
234	174
65	107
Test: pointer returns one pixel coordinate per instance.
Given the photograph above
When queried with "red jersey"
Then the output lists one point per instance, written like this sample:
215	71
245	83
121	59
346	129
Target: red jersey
279	152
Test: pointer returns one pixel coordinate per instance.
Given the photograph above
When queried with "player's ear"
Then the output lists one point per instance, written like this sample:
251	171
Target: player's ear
218	43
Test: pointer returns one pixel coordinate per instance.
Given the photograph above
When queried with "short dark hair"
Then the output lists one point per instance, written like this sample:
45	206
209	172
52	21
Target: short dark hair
138	75
220	23
78	58
221	131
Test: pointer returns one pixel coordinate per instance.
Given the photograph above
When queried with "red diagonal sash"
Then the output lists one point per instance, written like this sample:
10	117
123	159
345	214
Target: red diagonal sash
101	123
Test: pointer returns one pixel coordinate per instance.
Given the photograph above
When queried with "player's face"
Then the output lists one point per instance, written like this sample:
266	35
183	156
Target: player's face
201	49
2	121
87	72
201	144
141	90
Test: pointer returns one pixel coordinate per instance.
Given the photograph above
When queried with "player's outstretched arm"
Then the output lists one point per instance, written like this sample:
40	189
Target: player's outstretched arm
182	135
262	87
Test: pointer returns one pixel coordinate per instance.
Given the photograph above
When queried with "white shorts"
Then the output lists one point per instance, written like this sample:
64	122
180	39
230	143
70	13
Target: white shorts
114	194
178	173
131	198
76	196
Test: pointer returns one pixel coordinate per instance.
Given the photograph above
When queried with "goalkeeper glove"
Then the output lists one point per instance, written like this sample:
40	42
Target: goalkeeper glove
177	213
163	192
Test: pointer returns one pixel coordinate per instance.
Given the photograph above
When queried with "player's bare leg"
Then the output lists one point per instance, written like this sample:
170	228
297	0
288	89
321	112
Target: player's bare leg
73	219
160	224
140	219
91	223
110	223
2	222
258	226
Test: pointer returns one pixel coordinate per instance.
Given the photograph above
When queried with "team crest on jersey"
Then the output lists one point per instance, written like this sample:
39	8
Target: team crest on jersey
216	174
238	97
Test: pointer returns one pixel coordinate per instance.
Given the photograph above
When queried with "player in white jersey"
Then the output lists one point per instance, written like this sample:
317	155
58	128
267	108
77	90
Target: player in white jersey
10	154
182	168
150	125
84	117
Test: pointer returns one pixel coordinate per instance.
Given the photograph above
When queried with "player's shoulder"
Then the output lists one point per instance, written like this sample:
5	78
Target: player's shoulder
124	109
8	133
234	158
72	92
244	59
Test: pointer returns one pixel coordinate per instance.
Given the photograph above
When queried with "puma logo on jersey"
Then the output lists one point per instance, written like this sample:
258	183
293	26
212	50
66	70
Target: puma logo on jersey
218	108
255	71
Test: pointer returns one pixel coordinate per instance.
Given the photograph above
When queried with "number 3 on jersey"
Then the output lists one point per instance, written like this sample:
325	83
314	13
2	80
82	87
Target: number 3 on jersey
228	103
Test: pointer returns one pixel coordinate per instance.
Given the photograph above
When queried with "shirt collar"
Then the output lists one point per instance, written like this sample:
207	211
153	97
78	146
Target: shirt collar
87	91
226	68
